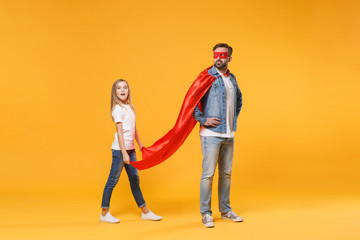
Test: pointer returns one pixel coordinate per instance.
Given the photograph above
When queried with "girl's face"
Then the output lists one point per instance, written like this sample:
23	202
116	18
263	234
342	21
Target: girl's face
122	91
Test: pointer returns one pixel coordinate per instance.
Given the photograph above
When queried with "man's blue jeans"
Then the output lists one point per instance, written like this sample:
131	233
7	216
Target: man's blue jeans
215	151
116	168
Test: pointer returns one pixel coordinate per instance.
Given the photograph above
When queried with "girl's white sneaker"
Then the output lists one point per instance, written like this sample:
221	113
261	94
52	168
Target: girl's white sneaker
150	216
108	218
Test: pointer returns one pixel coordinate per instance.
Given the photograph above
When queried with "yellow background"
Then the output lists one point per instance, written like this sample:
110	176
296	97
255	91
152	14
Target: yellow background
296	152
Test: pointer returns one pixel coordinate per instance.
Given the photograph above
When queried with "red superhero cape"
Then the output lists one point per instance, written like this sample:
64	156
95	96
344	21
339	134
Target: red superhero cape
166	146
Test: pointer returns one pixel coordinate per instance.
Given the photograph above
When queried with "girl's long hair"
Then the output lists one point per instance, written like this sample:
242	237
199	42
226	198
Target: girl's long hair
115	100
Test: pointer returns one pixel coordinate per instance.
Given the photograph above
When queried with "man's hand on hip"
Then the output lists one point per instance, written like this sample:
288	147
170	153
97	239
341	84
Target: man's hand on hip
213	122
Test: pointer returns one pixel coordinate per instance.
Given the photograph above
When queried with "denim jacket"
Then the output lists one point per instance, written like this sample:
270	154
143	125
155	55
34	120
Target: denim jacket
214	103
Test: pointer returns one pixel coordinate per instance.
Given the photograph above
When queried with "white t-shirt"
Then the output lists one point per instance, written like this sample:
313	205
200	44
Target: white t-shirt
230	107
126	116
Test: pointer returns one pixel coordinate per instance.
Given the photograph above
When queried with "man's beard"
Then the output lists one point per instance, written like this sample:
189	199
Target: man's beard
221	65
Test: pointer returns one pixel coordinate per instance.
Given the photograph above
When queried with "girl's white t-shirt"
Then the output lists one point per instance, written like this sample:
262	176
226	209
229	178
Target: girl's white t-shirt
126	116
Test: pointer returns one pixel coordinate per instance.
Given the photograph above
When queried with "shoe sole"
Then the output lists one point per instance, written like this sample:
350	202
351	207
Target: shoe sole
209	226
151	219
108	222
232	219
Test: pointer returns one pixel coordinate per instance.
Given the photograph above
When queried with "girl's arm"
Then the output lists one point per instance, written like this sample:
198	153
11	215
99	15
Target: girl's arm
119	130
141	146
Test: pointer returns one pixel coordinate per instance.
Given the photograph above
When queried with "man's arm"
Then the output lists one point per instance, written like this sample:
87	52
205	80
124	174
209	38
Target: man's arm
239	101
199	116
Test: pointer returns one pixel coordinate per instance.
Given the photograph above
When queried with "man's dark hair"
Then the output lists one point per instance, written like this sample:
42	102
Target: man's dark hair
225	46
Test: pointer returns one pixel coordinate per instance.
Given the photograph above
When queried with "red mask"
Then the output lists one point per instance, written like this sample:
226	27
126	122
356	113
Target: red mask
221	55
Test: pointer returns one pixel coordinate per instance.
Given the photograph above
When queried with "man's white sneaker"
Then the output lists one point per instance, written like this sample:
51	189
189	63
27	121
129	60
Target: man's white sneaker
207	220
150	216
231	216
108	218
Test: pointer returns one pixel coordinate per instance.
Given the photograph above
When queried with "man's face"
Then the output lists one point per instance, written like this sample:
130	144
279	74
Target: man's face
221	58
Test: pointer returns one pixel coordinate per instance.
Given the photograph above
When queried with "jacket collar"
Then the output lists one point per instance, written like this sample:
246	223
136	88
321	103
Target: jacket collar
213	72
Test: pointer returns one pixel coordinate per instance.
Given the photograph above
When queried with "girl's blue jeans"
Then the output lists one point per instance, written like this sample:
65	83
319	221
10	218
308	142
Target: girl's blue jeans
116	168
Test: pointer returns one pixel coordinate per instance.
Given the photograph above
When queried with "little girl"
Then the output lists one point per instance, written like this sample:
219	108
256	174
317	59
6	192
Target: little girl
123	151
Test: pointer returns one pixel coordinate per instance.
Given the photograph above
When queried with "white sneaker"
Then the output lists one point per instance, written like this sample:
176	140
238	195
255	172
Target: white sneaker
150	216
207	220
231	216
108	218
